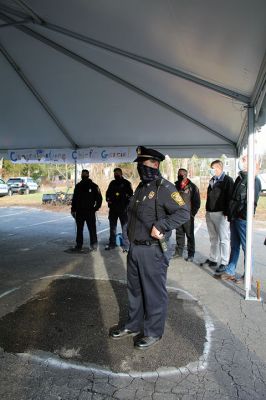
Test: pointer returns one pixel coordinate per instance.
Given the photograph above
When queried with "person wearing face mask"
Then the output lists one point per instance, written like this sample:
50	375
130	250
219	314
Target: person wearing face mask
218	196
190	193
117	196
154	210
237	215
87	199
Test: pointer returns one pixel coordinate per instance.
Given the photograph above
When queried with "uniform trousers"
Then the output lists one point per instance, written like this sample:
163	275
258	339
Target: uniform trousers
90	220
147	293
188	230
114	215
219	233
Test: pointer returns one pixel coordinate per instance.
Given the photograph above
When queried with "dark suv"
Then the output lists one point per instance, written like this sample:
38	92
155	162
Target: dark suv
22	185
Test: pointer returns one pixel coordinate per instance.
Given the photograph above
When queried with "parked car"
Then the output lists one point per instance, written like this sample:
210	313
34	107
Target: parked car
4	189
22	185
262	178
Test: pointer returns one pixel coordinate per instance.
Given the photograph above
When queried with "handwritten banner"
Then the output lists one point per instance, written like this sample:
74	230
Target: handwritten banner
67	156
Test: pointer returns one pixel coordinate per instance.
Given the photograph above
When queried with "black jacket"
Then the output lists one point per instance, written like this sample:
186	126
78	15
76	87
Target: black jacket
86	198
118	194
219	194
238	202
190	193
171	210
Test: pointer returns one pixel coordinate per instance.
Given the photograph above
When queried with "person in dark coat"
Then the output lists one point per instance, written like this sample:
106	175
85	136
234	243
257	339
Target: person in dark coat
87	199
190	193
117	196
218	196
237	215
154	210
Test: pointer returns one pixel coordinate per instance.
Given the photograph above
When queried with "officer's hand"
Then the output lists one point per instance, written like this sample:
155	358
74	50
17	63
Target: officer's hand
156	234
73	213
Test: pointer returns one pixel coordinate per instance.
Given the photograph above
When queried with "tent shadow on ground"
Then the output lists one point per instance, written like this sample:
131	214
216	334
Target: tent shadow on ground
71	319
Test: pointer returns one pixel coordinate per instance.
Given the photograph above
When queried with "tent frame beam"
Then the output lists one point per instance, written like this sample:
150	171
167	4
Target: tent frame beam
117	79
37	95
22	22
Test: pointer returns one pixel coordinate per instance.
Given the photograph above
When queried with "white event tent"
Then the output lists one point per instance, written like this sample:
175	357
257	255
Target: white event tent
184	76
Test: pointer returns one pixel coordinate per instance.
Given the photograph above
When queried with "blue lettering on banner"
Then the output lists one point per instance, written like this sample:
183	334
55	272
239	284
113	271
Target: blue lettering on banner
104	154
13	158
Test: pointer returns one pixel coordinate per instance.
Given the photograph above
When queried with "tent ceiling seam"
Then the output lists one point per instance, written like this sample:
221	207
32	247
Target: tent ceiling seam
143	60
36	94
152	63
117	79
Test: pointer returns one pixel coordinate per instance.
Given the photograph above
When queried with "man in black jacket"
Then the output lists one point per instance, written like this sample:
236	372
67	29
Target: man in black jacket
218	196
117	196
237	215
87	199
190	193
155	209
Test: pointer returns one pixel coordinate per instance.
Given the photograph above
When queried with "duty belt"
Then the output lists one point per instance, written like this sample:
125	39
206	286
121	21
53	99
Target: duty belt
146	242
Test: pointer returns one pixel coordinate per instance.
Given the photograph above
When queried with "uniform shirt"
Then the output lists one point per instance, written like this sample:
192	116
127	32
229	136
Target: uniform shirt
87	197
171	211
118	194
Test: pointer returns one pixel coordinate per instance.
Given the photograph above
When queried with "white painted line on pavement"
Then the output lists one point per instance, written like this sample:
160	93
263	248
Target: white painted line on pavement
103	230
44	222
16	213
8	292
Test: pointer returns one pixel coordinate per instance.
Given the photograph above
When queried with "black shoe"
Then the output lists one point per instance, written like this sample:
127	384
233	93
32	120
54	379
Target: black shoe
176	255
209	263
94	247
109	247
212	264
146	342
221	269
190	259
121	333
125	250
77	249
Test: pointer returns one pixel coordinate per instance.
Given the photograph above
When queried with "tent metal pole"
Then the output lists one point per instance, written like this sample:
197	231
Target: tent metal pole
250	204
76	173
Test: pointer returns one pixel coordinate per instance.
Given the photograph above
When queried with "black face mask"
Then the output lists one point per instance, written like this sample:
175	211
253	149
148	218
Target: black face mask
180	178
148	174
117	177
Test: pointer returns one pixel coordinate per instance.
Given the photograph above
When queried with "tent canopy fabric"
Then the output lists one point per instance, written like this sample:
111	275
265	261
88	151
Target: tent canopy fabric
176	75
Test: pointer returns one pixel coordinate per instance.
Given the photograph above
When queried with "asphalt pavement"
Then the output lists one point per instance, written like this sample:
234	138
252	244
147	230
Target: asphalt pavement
55	310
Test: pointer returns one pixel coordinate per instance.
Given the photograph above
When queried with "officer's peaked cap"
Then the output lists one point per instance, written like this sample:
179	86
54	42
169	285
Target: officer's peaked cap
143	153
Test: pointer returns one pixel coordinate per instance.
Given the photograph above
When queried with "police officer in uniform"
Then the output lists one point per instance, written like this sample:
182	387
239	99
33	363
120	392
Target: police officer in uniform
117	196
155	209
87	199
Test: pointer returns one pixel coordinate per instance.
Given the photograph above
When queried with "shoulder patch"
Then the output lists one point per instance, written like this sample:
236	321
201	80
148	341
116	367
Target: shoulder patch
151	195
178	199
